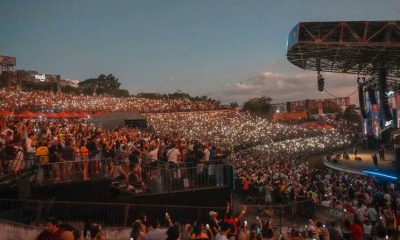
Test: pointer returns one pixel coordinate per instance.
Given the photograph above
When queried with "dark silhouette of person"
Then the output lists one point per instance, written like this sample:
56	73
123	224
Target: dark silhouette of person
355	152
381	154
375	160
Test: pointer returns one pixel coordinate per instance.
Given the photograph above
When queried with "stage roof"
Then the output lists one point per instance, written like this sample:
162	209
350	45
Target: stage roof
346	47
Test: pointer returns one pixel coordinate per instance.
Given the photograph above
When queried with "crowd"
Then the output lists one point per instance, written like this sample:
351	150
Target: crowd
268	159
72	148
231	225
228	129
16	100
277	174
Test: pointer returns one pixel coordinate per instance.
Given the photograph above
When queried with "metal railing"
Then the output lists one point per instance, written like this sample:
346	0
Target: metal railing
157	177
107	214
294	215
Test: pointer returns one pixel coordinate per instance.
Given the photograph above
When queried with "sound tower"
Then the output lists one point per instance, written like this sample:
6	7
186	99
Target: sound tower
289	107
397	160
372	96
361	100
382	72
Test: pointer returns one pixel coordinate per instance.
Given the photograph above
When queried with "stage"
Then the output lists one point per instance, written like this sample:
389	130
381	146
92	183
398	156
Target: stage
364	165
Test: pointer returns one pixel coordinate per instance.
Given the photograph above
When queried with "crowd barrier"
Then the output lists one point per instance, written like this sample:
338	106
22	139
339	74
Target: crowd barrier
34	212
156	177
108	214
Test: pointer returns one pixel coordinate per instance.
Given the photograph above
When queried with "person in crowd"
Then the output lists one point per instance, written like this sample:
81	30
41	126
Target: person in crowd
173	233
155	232
234	220
213	222
334	232
96	233
56	151
84	159
52	231
42	152
198	232
137	232
224	232
268	231
367	229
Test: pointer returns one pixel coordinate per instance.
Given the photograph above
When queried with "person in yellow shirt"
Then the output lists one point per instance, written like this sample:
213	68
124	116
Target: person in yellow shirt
42	153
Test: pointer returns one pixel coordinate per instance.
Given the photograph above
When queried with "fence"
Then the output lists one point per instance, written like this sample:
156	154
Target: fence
108	214
119	215
158	177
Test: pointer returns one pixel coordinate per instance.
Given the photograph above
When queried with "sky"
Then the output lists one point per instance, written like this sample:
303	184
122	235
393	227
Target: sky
231	50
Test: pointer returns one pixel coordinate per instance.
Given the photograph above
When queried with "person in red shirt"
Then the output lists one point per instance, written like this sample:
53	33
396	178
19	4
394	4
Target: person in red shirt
231	219
52	231
356	230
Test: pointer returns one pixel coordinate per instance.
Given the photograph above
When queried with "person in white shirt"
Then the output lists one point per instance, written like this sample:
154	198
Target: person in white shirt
207	153
173	155
225	228
156	233
153	154
372	214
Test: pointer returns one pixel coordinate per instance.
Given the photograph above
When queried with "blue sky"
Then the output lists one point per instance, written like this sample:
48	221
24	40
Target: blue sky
227	49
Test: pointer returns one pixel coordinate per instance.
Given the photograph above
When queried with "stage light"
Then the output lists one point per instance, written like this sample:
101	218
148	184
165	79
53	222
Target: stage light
380	174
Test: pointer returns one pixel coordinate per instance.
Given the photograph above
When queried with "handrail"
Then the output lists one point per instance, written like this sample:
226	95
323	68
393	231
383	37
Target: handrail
146	179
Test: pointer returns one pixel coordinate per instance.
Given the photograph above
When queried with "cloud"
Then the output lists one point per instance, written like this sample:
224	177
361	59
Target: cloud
284	87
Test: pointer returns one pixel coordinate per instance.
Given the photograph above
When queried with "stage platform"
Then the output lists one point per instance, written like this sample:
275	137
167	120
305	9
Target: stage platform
365	166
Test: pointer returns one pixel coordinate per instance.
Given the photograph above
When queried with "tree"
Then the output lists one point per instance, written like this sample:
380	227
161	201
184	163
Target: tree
260	105
350	114
234	105
150	95
120	93
101	85
179	95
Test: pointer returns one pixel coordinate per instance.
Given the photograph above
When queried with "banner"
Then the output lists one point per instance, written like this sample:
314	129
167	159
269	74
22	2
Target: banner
376	124
398	108
7	61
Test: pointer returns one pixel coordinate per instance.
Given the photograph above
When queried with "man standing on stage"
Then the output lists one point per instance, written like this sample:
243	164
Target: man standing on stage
381	153
375	160
355	152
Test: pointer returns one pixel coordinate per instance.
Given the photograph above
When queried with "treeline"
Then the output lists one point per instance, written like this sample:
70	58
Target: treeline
110	85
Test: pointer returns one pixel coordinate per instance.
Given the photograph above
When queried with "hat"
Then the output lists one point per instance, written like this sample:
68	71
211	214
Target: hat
212	213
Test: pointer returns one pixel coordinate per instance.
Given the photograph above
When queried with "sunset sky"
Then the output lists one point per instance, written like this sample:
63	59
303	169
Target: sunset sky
230	50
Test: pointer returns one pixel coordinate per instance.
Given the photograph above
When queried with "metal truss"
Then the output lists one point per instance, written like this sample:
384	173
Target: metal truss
346	47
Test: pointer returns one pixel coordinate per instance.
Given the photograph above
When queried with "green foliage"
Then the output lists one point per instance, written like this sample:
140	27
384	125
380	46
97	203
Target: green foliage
260	106
351	114
178	94
150	95
70	90
234	105
120	93
103	84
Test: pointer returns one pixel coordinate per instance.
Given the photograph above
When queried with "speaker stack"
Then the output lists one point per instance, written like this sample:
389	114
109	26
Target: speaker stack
361	100
382	72
372	96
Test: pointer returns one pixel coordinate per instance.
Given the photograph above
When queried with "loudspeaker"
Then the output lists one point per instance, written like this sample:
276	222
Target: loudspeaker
289	107
382	72
397	160
361	100
321	82
372	96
